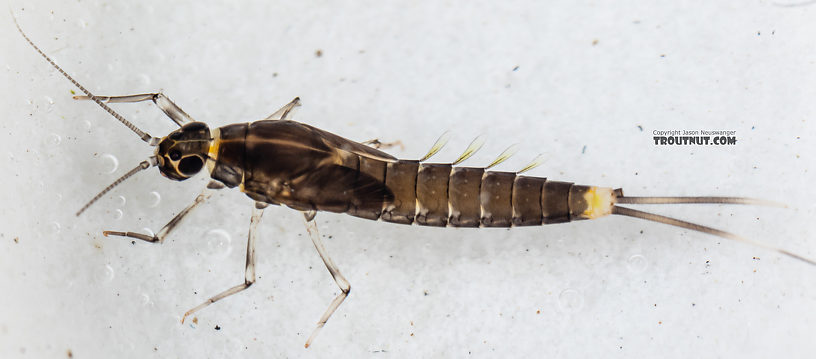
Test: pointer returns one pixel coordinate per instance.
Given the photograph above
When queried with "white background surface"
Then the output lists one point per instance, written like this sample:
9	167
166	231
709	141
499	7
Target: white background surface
407	71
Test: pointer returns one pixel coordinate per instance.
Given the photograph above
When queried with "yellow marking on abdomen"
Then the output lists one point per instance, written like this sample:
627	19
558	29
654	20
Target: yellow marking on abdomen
599	202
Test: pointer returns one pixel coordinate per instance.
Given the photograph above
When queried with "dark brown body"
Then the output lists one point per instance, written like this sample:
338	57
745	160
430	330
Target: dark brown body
290	163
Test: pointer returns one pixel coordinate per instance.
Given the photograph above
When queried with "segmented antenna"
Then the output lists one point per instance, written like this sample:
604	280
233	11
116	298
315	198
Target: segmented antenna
624	211
509	152
472	148
143	135
142	166
440	142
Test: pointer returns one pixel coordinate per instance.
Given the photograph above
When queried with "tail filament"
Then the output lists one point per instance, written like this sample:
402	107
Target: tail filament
629	212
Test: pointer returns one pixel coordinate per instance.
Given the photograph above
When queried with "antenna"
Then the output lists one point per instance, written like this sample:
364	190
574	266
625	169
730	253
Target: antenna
152	161
143	135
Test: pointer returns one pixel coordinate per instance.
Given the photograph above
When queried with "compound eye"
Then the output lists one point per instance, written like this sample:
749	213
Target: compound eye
190	165
175	155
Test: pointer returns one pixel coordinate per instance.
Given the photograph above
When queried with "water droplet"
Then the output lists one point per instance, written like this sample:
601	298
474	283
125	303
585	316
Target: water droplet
58	197
155	199
145	299
219	243
144	79
121	200
87	125
49	103
54	228
111	163
53	139
637	264
118	214
104	274
159	56
148	232
570	300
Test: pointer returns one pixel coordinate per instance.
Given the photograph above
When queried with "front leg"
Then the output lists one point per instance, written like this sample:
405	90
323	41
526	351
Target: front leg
173	111
159	237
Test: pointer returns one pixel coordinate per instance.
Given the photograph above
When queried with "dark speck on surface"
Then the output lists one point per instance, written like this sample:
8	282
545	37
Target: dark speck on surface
217	327
516	68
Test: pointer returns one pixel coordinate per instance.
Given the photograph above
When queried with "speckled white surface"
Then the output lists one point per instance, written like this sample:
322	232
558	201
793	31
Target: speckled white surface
589	76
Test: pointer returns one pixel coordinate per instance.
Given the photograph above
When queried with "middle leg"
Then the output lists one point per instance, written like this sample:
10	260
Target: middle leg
249	273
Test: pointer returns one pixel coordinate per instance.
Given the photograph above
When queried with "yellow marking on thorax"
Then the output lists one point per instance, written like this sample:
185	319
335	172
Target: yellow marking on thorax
599	202
215	145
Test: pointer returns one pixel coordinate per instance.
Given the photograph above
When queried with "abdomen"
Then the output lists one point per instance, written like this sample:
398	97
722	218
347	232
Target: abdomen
443	195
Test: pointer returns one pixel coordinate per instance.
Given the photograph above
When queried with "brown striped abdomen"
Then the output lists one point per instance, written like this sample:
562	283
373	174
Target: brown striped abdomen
443	195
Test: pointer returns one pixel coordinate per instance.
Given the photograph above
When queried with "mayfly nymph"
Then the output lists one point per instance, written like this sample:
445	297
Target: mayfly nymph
277	161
